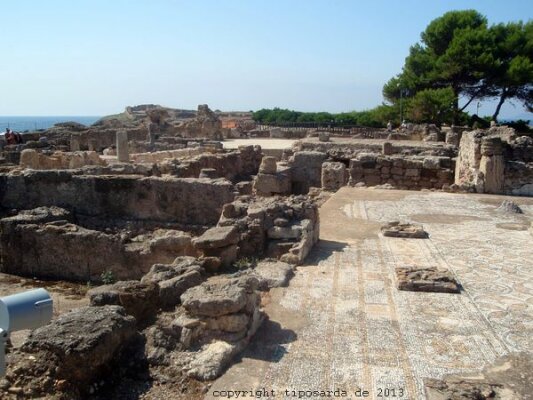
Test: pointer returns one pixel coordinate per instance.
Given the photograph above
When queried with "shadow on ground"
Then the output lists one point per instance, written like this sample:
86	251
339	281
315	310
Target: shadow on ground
323	250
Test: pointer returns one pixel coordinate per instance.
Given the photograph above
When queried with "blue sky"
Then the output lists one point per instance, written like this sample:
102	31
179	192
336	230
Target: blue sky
96	57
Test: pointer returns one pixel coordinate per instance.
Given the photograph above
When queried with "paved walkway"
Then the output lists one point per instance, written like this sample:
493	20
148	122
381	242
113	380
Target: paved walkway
342	324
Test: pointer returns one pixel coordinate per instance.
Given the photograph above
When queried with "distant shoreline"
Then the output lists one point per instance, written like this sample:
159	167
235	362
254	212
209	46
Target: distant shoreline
32	123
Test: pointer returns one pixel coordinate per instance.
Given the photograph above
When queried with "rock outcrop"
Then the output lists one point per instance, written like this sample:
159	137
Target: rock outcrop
174	279
72	351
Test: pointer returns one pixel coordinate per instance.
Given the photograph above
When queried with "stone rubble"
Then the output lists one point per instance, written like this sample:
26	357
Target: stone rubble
426	279
509	206
404	230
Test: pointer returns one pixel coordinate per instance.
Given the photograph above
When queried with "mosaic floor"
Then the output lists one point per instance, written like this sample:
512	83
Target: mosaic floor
343	325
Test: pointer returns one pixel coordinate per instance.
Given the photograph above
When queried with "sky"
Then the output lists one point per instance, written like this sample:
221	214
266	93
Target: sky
95	57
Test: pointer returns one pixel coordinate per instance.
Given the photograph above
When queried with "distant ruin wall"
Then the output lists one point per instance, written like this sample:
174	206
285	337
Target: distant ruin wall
185	201
36	243
495	162
236	164
30	158
401	172
159	156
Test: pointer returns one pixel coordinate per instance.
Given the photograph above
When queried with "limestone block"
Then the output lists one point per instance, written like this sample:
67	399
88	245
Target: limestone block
396	229
220	236
74	143
333	175
323	136
387	148
492	168
208	173
122	146
285	232
268	184
268	165
29	159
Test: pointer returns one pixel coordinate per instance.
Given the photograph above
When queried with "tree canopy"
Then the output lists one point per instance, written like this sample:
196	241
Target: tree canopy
460	52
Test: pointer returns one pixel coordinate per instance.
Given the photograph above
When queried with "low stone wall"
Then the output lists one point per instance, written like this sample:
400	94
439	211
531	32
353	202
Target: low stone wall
518	178
45	244
306	170
346	149
277	227
159	156
167	200
495	161
232	165
400	172
32	159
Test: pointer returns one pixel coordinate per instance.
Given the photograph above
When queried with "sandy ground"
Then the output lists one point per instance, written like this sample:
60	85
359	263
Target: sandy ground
342	324
66	296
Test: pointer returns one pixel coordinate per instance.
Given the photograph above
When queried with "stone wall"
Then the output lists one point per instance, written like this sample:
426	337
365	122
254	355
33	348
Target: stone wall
277	227
345	149
231	165
306	170
44	243
401	172
495	161
32	159
184	201
159	156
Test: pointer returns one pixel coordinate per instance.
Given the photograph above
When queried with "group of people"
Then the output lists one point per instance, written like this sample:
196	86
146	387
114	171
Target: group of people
12	137
402	126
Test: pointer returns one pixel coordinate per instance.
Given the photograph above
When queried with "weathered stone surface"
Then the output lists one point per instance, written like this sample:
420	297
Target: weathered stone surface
268	165
61	250
244	187
212	360
74	348
218	296
29	158
306	169
208	173
138	299
205	125
227	255
323	136
509	378
429	279
171	241
271	274
387	149
333	176
174	279
285	232
123	154
182	200
220	236
399	230
509	206
270	184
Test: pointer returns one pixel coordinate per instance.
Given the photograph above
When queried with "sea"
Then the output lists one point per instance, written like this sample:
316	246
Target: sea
29	123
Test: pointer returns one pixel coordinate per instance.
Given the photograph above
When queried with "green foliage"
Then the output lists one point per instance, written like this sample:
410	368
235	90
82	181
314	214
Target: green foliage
460	51
512	78
521	126
432	106
376	117
108	277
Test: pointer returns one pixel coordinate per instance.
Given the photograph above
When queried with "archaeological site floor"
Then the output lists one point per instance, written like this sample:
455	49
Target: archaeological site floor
342	324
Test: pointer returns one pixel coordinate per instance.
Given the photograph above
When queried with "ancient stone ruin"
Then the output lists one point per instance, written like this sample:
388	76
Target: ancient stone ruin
192	246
